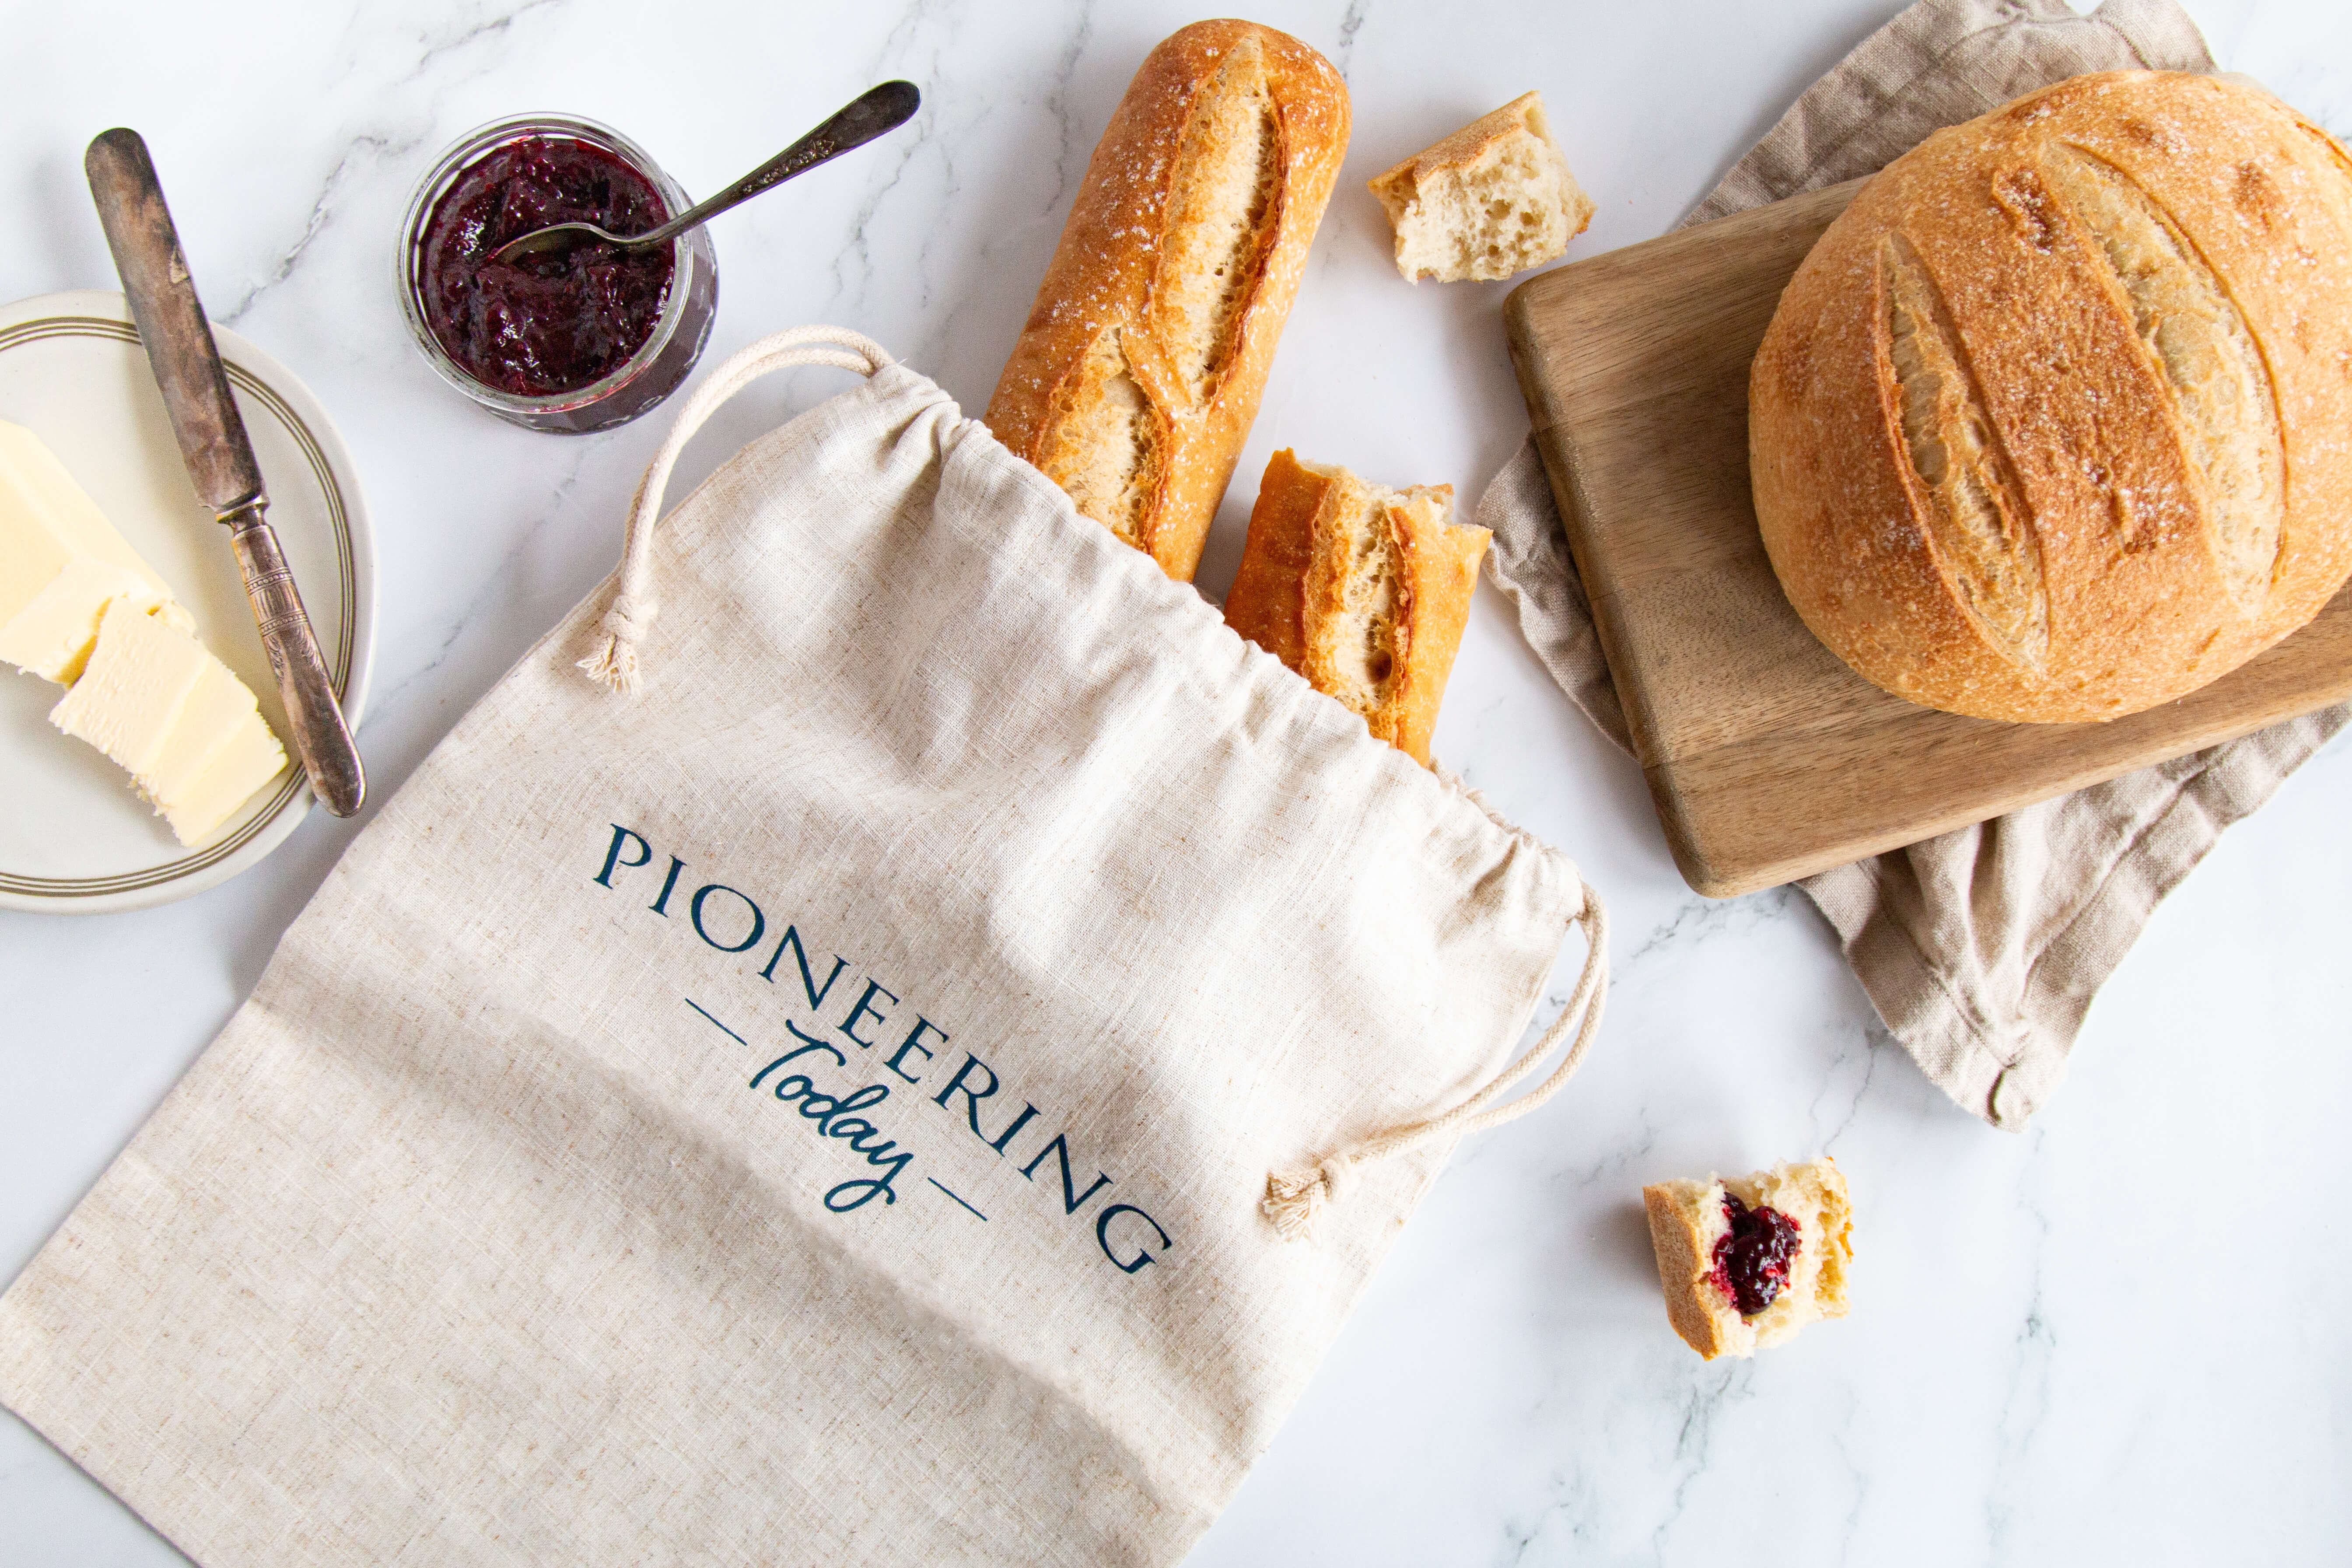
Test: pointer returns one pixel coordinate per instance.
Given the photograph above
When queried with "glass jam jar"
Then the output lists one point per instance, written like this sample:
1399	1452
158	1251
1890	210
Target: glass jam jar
578	341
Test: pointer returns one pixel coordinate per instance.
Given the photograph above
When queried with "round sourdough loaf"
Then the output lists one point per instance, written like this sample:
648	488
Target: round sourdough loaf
2055	421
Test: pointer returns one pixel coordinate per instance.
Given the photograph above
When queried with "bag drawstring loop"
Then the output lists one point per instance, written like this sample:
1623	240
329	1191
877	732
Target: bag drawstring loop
1294	1198
630	618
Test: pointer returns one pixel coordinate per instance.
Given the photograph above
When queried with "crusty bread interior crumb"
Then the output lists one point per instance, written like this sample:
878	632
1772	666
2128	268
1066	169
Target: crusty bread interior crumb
1814	1196
1103	444
1490	219
1493	199
1364	652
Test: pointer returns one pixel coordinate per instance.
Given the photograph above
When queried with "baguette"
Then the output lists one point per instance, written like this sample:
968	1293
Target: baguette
1363	590
2050	426
1134	381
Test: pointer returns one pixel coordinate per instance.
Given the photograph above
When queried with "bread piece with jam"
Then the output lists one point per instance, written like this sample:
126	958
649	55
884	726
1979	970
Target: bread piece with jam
1747	1262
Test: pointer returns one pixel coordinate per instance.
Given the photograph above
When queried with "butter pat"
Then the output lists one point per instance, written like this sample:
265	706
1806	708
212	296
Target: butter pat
216	709
61	563
250	759
48	523
128	698
188	732
220	750
51	635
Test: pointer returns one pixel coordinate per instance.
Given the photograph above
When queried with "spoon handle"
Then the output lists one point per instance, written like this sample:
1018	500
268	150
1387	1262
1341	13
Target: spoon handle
872	113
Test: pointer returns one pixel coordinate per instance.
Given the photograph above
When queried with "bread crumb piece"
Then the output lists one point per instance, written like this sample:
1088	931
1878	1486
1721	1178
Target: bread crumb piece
1491	200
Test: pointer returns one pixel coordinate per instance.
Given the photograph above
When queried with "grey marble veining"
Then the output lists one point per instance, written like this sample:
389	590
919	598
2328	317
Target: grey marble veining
2113	1337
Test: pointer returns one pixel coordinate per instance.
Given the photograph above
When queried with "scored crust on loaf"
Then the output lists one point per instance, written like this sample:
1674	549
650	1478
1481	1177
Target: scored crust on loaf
1493	199
1363	590
1139	372
1688	1218
2054	423
1973	504
2197	337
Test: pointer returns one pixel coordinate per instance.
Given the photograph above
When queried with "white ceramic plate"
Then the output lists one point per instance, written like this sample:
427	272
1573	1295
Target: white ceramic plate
74	837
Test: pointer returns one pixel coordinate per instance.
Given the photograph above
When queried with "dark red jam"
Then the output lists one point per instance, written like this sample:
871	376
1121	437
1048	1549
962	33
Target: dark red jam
553	323
1751	1261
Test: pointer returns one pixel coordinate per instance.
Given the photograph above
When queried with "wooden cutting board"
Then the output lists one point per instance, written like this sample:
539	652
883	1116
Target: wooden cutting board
1769	759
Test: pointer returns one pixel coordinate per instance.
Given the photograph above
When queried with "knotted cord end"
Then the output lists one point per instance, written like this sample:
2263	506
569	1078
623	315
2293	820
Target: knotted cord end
613	666
1293	1199
614	663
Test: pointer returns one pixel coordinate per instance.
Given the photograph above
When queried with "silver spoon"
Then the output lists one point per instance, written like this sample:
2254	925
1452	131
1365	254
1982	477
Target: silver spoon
876	110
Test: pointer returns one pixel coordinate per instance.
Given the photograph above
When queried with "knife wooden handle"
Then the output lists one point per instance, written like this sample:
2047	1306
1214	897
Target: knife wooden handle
320	736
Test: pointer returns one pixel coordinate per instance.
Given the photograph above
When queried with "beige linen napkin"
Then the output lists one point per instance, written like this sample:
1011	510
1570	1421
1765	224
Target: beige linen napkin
1981	949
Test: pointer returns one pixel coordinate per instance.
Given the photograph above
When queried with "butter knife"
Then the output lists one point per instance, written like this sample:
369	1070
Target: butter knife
220	459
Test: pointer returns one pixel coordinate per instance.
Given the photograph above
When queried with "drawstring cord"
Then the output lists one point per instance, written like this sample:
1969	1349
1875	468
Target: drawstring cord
630	618
1294	1198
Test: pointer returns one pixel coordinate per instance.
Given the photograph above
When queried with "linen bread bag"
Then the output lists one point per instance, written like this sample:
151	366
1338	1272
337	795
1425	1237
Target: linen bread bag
820	1108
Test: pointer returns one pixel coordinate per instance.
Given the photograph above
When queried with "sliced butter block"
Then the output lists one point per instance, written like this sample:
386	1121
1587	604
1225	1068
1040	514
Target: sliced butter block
187	729
218	708
249	759
51	635
48	521
130	693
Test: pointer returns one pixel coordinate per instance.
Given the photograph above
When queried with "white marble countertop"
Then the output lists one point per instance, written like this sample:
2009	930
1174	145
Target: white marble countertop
2113	1337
